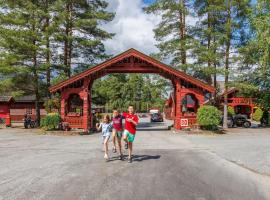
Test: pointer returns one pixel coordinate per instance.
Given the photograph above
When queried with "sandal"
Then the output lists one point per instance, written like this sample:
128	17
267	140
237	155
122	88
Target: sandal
106	157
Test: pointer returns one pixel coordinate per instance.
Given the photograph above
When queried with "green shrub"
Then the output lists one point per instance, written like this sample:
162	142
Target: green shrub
257	115
51	121
231	111
208	117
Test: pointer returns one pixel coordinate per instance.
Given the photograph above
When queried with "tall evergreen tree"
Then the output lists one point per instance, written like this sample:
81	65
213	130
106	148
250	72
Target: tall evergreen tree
207	34
80	33
32	31
172	32
235	16
21	39
255	55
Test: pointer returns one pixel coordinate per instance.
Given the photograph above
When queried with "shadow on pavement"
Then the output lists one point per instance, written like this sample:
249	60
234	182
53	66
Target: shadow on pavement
139	158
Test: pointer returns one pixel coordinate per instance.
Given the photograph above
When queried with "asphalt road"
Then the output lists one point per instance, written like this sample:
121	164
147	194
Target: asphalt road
166	166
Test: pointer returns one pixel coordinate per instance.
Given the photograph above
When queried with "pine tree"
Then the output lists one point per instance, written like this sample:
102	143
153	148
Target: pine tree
20	29
172	32
80	33
255	55
235	14
207	32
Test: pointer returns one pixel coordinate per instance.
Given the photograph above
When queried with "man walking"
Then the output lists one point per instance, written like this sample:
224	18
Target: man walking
131	121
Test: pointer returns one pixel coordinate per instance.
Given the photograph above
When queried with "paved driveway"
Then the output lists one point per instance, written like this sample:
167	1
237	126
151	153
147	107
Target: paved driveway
166	166
249	148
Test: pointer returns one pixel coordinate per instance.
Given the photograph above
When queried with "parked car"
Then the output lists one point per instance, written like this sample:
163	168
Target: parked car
238	121
156	117
242	121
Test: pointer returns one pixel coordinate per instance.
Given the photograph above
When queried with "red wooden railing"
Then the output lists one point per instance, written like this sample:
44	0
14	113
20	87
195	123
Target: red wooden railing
240	101
74	121
191	120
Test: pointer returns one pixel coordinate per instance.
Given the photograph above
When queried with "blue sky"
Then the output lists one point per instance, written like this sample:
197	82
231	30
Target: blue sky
148	1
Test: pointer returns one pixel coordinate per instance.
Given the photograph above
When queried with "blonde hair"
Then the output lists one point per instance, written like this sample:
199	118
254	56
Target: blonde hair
107	117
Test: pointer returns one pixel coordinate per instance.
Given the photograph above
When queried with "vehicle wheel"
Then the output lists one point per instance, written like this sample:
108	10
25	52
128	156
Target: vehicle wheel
230	125
32	124
247	124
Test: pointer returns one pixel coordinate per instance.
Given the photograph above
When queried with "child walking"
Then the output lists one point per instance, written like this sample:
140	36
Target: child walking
117	132
131	121
106	129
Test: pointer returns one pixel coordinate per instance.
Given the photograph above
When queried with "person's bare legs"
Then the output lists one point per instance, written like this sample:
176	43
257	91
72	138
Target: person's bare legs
120	146
106	148
113	140
129	150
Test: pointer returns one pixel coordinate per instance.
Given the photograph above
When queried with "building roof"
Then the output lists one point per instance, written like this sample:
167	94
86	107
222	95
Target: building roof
27	98
154	65
6	99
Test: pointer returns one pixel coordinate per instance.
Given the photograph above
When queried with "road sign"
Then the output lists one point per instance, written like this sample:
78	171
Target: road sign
184	122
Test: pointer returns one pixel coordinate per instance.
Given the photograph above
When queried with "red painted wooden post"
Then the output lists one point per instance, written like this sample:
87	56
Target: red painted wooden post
178	105
63	111
86	106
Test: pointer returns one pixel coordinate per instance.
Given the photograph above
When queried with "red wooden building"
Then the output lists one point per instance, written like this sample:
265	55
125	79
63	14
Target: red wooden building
76	91
25	105
240	104
5	103
14	109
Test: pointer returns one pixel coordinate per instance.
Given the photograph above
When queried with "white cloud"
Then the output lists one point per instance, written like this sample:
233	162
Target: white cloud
133	27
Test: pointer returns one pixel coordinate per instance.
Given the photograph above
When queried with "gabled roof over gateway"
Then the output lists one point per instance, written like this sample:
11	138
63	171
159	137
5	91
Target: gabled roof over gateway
146	64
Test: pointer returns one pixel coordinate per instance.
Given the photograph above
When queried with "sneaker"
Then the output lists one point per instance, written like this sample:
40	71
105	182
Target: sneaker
114	150
129	160
126	145
121	157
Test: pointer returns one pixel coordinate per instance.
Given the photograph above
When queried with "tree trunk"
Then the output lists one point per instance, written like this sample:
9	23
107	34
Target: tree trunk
67	42
227	57
48	52
182	18
36	81
209	38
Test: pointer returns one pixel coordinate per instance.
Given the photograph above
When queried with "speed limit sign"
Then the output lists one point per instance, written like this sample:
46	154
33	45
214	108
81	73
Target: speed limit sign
184	122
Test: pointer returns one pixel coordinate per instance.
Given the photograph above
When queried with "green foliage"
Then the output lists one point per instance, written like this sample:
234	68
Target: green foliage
52	104
80	33
231	111
207	35
51	121
172	33
208	117
120	90
255	57
257	115
58	79
41	39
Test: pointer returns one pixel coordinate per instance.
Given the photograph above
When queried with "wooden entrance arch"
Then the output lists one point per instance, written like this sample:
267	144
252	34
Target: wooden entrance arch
130	61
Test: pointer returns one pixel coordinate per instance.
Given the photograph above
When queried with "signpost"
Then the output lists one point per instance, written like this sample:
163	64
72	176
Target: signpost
184	122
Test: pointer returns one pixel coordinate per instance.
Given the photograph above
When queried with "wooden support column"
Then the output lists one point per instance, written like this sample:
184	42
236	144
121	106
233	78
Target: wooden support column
91	125
178	105
62	108
86	113
201	100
